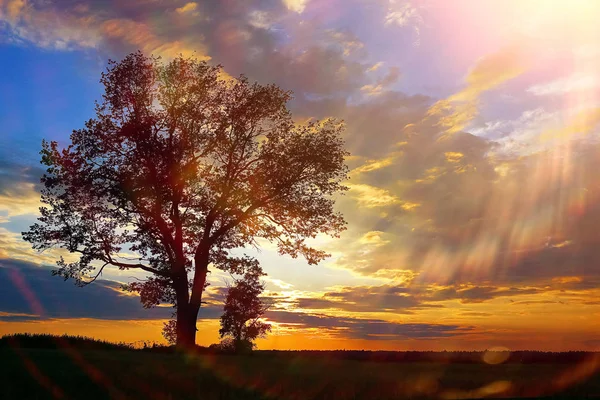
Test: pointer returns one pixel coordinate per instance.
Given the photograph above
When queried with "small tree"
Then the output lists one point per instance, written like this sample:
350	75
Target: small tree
243	310
178	168
169	331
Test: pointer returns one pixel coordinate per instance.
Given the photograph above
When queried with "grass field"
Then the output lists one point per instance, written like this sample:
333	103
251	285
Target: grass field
74	371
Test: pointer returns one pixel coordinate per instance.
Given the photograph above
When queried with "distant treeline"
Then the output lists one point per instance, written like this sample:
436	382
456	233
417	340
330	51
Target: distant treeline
37	341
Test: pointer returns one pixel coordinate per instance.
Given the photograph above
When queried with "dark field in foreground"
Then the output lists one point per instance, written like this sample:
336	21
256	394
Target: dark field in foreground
90	370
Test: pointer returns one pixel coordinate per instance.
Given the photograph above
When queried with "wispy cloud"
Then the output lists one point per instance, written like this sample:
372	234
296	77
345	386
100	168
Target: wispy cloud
457	111
573	83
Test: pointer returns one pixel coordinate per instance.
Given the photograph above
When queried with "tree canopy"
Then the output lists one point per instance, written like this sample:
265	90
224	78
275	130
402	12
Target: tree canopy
243	310
179	167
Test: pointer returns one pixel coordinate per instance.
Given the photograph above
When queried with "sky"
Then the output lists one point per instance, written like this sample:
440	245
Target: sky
473	199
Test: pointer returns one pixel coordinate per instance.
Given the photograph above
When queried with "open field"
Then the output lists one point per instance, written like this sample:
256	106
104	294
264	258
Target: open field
73	371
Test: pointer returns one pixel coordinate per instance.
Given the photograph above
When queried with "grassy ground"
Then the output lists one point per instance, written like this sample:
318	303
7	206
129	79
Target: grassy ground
87	373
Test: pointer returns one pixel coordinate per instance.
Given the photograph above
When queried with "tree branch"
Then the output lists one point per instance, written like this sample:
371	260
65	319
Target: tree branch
138	266
95	277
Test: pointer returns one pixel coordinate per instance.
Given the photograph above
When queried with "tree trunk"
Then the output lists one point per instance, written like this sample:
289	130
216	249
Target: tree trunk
189	306
186	315
187	311
186	327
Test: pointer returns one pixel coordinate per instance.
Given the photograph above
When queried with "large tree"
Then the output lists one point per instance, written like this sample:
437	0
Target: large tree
179	168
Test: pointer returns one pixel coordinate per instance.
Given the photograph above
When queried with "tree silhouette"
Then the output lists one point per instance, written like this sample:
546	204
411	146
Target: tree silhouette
169	331
243	310
178	168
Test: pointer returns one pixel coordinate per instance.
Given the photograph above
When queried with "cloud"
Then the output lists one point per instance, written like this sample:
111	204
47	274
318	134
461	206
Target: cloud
14	8
278	283
476	314
516	136
538	130
141	36
347	40
32	294
381	303
88	27
297	6
573	83
17	178
410	297
401	14
21	21
582	123
454	113
367	329
426	198
260	19
19	190
190	7
18	317
414	193
478	294
32	290
404	14
373	165
20	199
12	246
316	70
374	238
371	196
382	84
304	56
375	66
382	117
482	212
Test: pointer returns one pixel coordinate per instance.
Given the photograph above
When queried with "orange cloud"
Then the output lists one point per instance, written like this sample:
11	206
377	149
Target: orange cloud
80	27
187	8
14	8
141	36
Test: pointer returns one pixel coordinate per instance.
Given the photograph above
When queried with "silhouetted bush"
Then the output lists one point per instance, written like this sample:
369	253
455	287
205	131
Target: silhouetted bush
45	341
